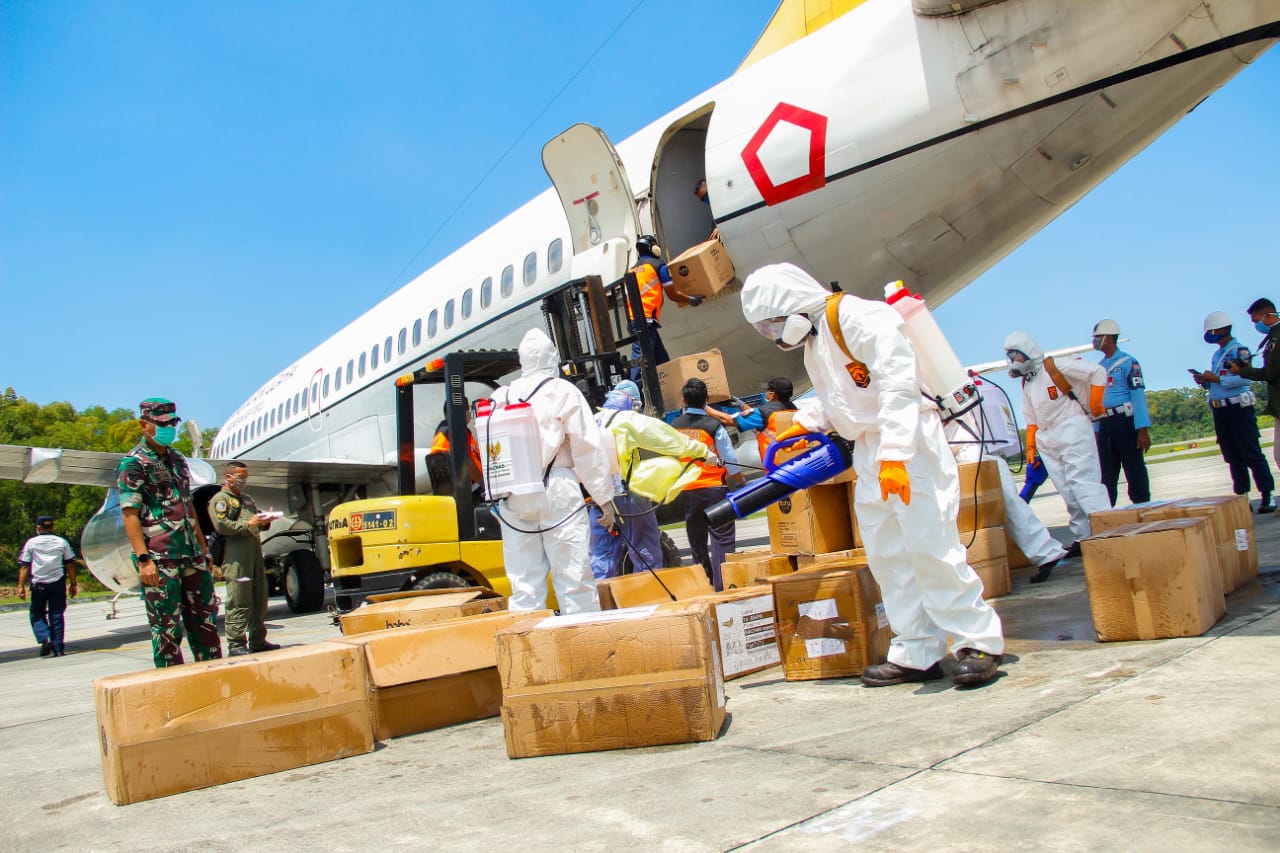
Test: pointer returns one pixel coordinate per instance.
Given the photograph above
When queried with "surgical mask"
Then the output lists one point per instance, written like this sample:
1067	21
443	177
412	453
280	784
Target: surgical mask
1213	337
1097	342
1262	327
165	435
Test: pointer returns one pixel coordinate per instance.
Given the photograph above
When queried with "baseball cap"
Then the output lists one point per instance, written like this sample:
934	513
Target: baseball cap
44	521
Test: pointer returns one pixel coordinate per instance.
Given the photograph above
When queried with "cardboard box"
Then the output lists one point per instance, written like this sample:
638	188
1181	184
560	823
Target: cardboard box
746	632
749	554
165	731
849	558
643	676
420	607
830	624
707	366
981	496
702	270
853	512
437	675
784	421
1110	519
812	521
989	559
1153	580
1017	559
639	588
738	574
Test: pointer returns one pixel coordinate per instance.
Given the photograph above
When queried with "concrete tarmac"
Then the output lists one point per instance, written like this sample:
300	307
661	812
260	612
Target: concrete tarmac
1166	744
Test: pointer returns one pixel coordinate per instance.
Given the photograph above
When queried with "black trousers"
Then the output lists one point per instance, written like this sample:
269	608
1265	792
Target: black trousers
48	604
1237	430
1118	448
723	539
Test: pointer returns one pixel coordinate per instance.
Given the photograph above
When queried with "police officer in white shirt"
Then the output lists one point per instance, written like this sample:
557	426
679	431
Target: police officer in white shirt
48	560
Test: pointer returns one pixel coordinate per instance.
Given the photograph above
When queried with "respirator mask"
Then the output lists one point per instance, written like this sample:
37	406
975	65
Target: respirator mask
788	332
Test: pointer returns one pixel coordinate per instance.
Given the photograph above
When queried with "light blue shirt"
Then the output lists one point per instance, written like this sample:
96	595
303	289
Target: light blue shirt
724	448
1229	385
1125	385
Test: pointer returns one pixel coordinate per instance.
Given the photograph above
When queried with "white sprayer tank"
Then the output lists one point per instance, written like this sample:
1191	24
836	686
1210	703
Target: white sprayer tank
941	372
512	455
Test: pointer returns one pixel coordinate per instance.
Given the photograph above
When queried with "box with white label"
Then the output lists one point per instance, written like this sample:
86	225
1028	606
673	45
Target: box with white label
830	624
745	627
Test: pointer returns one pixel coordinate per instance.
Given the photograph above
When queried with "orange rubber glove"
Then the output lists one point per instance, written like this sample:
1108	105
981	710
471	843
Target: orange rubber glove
1031	444
894	481
1095	400
793	431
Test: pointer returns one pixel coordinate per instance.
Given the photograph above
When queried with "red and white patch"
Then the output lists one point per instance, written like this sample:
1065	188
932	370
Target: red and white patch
753	156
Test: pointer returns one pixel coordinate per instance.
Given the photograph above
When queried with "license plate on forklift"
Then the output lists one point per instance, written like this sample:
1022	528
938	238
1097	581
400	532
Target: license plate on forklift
383	519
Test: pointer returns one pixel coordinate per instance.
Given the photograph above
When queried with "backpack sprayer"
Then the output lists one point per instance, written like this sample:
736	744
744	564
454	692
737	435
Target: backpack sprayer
943	376
829	457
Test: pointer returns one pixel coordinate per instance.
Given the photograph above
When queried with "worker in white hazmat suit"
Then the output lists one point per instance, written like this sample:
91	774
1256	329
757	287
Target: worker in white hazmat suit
658	478
972	442
548	531
1057	400
864	371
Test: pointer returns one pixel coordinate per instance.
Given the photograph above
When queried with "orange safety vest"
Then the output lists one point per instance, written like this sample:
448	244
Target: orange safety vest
766	436
651	293
440	444
702	428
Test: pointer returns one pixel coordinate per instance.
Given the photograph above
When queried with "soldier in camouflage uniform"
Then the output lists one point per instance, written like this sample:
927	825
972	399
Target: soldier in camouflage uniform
168	547
236	519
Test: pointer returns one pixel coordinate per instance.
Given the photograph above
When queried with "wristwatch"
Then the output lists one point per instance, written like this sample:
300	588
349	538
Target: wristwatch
143	558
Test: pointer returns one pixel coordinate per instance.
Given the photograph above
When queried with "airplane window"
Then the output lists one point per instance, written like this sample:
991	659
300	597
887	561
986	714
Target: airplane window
315	392
271	421
295	402
448	314
486	292
508	281
305	391
417	332
361	368
326	386
530	268
466	304
373	357
555	255
350	365
386	350
402	341
337	379
431	323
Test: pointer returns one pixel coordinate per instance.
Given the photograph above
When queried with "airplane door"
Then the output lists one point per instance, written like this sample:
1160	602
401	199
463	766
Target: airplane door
598	202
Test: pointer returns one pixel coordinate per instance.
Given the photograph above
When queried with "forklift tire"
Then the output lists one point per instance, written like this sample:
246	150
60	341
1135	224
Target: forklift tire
303	581
441	580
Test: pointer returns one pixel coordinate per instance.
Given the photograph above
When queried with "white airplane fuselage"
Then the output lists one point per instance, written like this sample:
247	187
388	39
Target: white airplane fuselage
887	145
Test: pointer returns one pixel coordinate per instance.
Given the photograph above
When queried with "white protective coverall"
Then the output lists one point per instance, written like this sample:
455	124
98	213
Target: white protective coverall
914	551
1064	433
1025	527
572	446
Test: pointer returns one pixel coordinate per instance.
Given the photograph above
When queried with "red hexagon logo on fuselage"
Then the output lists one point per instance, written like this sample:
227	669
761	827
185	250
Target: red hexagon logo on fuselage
815	178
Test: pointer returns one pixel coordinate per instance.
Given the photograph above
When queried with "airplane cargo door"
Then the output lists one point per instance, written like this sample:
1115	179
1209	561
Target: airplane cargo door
597	199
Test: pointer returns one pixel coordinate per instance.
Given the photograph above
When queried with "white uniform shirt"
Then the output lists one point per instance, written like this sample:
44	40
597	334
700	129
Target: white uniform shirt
1044	404
47	554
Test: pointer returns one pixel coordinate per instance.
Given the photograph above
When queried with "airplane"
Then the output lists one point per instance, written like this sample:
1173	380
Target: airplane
866	141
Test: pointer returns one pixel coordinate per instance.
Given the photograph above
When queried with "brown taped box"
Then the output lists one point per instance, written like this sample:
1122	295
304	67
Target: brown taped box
1017	559
644	676
707	366
849	558
1232	529
738	574
749	554
783	421
830	624
420	607
989	559
1110	519
1153	580
852	497
640	588
170	730
811	521
746	632
981	496
436	675
702	270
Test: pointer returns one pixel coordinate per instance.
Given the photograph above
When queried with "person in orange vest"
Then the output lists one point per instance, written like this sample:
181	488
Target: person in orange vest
655	285
763	419
710	488
440	444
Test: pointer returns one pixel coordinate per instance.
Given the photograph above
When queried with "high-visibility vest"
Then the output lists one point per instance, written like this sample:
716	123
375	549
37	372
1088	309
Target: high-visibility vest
769	412
440	444
650	285
702	428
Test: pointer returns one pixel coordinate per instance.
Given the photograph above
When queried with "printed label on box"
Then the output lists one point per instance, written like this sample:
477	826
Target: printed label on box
598	616
882	621
1242	539
824	608
824	647
820	611
748	639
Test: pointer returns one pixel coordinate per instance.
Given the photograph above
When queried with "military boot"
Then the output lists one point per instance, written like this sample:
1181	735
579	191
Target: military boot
975	667
887	674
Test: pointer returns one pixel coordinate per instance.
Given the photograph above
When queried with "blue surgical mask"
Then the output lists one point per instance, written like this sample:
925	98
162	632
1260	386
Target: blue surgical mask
1213	337
1262	327
165	435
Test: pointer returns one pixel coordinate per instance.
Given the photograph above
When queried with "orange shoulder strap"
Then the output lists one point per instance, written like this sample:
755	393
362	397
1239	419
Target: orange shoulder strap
833	322
1058	379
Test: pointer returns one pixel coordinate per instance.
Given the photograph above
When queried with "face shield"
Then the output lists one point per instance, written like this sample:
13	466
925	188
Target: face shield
788	332
1019	364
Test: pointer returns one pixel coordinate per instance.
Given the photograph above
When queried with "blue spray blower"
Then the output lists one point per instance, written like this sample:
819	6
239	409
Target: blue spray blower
829	457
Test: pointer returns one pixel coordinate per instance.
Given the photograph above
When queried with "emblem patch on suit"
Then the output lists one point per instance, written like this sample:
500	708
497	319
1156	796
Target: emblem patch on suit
859	373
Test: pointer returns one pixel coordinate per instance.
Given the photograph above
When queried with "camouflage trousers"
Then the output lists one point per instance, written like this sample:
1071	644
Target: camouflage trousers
182	604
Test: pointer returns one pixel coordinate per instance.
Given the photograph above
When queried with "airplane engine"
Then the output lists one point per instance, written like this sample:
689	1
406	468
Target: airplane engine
105	547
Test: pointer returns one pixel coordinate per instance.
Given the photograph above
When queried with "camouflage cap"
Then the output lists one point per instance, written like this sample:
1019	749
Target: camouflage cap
158	410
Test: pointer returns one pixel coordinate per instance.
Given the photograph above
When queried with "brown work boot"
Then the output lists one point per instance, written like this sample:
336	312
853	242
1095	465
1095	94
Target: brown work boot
887	674
975	667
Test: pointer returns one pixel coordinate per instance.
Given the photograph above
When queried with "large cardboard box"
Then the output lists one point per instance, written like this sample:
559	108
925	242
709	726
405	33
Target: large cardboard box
830	624
1123	516
987	555
737	574
1154	579
811	521
707	366
849	558
852	497
746	633
702	270
421	607
643	676
436	675
1017	559
639	588
981	496
165	731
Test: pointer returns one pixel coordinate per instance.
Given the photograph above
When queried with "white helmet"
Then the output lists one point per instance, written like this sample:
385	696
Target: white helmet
1217	320
1106	327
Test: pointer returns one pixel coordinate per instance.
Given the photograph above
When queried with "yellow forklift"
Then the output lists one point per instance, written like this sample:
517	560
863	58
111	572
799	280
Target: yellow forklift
452	537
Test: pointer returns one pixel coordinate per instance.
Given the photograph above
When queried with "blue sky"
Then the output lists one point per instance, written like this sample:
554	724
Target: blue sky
192	195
